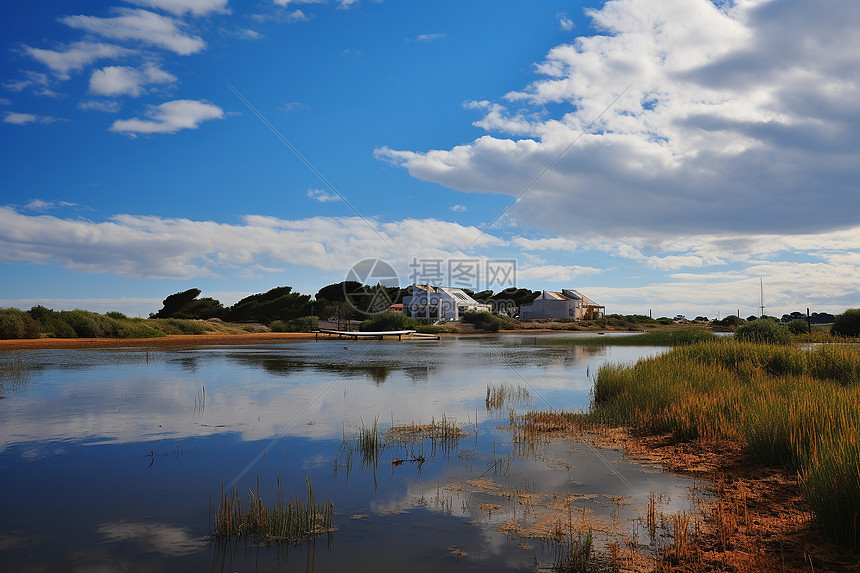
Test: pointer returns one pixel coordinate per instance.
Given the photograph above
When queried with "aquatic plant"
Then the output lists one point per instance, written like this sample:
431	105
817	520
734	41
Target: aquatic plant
574	556
506	394
283	522
444	431
369	443
15	372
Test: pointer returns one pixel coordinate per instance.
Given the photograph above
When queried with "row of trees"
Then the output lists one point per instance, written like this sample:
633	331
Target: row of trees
347	300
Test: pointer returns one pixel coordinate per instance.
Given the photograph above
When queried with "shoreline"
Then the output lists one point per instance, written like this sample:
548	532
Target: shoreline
756	520
217	339
169	341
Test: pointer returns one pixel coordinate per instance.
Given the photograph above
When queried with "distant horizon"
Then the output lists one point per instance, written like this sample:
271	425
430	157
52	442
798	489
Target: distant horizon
657	156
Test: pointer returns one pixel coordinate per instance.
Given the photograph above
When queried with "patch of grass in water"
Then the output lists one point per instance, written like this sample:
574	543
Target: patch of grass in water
292	521
506	394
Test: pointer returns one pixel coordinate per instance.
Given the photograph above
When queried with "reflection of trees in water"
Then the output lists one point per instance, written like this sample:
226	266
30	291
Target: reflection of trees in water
376	370
532	353
187	363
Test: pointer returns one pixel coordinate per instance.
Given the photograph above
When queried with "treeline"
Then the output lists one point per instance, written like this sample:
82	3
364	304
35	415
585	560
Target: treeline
347	300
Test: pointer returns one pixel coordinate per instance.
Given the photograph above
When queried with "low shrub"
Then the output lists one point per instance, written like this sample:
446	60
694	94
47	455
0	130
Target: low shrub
177	325
798	327
51	323
389	321
137	328
88	324
302	324
764	331
487	322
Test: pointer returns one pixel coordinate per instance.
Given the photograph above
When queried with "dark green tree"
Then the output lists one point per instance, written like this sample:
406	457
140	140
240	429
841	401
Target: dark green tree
185	304
280	303
15	323
847	323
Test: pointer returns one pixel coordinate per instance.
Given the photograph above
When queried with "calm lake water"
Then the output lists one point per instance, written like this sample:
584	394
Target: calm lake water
109	458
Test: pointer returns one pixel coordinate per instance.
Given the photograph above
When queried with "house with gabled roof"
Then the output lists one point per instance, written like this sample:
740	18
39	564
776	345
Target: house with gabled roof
567	304
440	303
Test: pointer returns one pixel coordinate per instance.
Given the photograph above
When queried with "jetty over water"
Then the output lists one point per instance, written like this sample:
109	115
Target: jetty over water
378	335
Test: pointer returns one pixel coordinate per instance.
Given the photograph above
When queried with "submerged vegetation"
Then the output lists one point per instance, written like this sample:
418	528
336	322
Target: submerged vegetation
292	521
791	408
506	394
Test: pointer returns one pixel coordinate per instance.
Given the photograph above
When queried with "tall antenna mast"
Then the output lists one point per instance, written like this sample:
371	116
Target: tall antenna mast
761	283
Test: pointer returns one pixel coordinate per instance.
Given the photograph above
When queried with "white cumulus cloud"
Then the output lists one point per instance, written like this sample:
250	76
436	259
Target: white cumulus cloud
124	80
679	116
140	25
170	117
75	56
322	195
180	7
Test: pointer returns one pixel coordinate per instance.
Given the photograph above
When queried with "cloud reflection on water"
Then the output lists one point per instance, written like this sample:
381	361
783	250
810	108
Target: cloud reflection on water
127	397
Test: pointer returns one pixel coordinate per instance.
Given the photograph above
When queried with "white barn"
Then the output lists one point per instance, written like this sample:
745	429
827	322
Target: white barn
440	303
567	304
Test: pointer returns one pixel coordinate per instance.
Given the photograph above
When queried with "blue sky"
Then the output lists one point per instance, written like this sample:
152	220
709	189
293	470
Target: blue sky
659	156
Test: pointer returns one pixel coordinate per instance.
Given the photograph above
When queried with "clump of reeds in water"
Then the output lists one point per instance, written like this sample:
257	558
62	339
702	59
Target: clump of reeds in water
369	443
535	426
15	372
292	521
574	555
794	408
506	394
445	430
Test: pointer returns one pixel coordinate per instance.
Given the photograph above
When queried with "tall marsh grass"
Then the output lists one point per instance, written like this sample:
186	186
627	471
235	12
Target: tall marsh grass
794	408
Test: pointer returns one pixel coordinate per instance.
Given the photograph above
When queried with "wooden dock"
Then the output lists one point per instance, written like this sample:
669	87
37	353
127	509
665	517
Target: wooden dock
355	335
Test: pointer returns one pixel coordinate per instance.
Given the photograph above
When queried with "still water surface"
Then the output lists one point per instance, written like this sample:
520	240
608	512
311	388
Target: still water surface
109	458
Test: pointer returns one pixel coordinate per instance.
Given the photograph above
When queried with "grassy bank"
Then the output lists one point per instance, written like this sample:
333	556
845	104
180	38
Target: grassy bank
667	337
790	408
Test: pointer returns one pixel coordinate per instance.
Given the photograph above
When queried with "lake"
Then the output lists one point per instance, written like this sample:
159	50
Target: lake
110	459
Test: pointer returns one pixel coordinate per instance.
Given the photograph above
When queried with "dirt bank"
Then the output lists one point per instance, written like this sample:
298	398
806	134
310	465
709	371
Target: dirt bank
758	521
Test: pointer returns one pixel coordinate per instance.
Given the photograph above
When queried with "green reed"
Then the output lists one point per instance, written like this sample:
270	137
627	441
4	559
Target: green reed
506	394
292	521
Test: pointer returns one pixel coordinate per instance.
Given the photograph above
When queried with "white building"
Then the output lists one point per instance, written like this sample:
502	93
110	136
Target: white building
440	303
567	304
